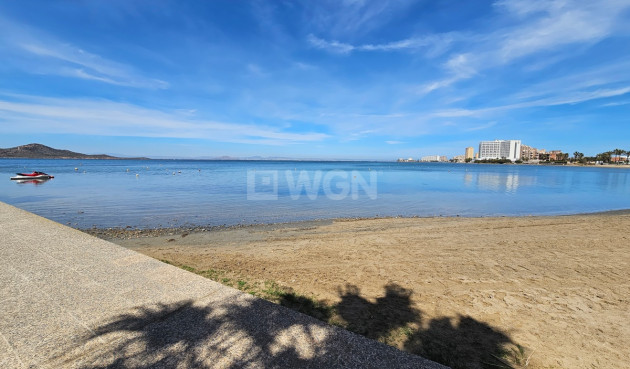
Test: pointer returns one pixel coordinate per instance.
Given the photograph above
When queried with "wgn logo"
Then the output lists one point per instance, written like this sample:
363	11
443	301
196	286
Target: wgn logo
334	184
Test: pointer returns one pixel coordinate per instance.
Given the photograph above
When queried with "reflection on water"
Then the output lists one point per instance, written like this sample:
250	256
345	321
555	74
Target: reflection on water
468	179
497	182
506	182
35	182
110	193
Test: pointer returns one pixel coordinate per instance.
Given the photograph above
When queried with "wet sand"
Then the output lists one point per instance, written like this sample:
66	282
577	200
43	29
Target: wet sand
559	286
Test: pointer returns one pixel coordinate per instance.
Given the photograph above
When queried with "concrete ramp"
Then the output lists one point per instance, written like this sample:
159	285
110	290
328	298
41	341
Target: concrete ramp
70	300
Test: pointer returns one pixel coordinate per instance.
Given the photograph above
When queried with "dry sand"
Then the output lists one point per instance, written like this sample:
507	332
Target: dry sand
557	285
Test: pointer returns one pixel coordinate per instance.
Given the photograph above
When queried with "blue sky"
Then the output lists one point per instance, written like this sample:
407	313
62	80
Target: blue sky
314	79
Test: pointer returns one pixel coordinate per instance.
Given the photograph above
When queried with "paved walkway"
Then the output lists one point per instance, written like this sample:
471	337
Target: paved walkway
70	300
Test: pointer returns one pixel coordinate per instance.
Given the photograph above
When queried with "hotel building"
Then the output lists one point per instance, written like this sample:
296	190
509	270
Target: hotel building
500	149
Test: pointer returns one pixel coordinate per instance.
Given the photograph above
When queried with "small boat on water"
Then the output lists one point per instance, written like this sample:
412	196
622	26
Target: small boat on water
31	176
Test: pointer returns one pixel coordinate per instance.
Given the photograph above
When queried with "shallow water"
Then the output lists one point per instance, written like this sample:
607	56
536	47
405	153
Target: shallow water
151	193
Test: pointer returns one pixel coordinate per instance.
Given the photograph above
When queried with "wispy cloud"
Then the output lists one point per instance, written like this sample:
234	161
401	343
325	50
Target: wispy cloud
557	23
458	67
613	74
391	142
60	58
618	103
352	17
256	70
104	117
534	27
570	99
481	127
433	45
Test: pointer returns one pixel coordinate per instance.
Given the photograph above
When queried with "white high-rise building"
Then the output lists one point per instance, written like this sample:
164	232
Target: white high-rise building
433	158
500	149
430	158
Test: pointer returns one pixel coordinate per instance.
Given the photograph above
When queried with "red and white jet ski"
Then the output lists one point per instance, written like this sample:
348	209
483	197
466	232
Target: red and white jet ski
31	176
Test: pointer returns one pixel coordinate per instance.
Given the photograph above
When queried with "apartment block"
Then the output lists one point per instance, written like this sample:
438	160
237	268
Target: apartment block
470	153
500	149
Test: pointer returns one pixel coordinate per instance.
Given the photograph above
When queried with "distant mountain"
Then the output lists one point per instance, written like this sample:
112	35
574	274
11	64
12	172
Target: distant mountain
39	151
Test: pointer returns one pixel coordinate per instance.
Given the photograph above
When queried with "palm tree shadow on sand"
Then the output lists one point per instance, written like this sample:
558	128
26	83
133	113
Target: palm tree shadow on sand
251	332
188	335
459	342
237	331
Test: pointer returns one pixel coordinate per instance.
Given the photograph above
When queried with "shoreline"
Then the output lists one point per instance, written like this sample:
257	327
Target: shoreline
609	165
131	232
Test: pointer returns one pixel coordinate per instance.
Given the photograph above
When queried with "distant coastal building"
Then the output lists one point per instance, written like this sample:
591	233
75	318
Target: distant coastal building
500	149
459	159
403	160
530	153
553	155
433	158
470	153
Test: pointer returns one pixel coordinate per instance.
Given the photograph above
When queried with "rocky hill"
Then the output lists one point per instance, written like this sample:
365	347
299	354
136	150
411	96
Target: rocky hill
39	151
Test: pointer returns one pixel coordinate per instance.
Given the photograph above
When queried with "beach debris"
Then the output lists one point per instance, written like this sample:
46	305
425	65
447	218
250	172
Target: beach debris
516	357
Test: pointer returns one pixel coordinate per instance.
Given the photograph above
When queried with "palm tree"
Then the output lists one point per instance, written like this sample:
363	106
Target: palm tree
604	157
618	152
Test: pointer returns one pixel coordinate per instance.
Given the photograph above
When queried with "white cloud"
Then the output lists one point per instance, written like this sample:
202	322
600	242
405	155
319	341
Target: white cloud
56	57
618	103
352	17
481	127
520	8
394	142
549	25
575	97
611	74
433	45
586	22
460	66
579	97
256	70
535	27
332	46
435	85
104	117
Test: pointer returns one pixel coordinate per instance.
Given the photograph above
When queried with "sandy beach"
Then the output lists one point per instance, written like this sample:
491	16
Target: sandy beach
456	290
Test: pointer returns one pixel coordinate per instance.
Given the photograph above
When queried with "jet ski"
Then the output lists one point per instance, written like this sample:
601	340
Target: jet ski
31	176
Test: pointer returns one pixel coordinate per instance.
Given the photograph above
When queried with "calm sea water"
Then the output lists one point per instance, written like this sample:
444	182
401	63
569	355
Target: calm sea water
119	193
